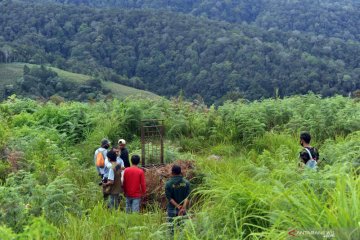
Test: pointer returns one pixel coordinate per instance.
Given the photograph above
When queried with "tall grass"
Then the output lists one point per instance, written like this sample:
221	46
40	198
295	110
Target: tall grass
254	190
246	199
101	223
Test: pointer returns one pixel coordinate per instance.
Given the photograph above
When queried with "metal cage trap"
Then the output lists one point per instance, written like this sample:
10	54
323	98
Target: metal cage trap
152	142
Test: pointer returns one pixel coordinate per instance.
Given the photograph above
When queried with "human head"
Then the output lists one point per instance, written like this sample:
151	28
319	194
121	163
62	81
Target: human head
105	143
111	155
122	143
176	170
305	138
135	159
116	150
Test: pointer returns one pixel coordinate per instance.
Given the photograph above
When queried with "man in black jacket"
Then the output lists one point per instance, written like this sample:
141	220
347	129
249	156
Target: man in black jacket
177	190
124	153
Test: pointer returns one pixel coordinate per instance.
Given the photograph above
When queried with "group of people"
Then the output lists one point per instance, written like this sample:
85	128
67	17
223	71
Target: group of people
119	177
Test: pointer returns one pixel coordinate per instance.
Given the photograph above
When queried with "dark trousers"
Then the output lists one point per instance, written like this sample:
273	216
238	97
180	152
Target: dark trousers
174	219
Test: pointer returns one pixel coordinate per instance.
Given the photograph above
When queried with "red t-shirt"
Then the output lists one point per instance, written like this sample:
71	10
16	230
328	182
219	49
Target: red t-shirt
134	182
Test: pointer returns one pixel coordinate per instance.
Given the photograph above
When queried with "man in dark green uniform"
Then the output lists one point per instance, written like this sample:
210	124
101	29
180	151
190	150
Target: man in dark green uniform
177	191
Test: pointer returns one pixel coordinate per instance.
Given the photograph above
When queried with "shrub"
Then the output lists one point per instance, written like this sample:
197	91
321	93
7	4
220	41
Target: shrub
61	199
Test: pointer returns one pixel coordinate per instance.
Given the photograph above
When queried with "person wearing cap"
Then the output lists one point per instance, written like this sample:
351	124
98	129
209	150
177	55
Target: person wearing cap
103	149
103	171
124	153
177	190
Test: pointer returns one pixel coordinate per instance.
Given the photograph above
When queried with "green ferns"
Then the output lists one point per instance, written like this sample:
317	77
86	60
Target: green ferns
252	189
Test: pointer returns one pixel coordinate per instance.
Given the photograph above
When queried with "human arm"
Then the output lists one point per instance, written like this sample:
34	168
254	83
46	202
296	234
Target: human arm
111	178
176	205
186	201
109	182
169	195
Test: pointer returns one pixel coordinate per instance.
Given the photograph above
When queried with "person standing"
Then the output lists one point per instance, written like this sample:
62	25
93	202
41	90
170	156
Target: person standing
177	191
119	161
309	156
124	153
134	185
114	180
102	164
100	157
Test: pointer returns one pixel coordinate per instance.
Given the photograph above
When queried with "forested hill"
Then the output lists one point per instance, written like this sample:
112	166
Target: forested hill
166	52
335	18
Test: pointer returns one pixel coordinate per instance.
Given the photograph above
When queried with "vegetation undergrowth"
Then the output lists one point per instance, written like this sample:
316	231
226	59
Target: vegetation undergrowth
249	184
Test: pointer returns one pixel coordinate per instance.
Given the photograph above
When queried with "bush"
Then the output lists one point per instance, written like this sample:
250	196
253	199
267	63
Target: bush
61	199
39	229
12	210
7	233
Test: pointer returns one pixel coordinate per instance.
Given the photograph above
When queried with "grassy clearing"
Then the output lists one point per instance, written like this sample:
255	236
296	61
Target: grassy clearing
10	73
124	91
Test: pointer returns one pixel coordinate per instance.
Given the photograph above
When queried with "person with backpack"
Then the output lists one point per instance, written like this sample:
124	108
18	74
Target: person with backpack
309	156
124	153
113	184
100	157
102	164
134	185
177	191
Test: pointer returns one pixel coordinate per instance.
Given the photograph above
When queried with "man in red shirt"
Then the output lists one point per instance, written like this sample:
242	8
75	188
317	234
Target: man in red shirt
134	185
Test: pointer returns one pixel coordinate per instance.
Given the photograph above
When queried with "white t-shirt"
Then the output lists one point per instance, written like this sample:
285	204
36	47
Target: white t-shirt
111	175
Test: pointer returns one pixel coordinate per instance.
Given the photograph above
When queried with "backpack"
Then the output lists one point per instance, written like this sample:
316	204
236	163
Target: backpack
100	159
312	162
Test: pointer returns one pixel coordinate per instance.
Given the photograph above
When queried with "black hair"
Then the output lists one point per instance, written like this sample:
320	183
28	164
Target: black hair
135	159
176	170
306	137
111	156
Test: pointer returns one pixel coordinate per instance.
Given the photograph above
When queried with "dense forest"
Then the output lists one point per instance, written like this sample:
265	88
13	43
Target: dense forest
167	52
328	17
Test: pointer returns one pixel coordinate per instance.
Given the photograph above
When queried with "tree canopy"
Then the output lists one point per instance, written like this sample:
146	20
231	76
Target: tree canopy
166	52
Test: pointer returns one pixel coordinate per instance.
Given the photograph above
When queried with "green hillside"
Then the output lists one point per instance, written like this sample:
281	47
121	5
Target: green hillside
166	52
12	72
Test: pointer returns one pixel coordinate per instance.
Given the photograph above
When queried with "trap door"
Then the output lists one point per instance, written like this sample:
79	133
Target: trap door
152	142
